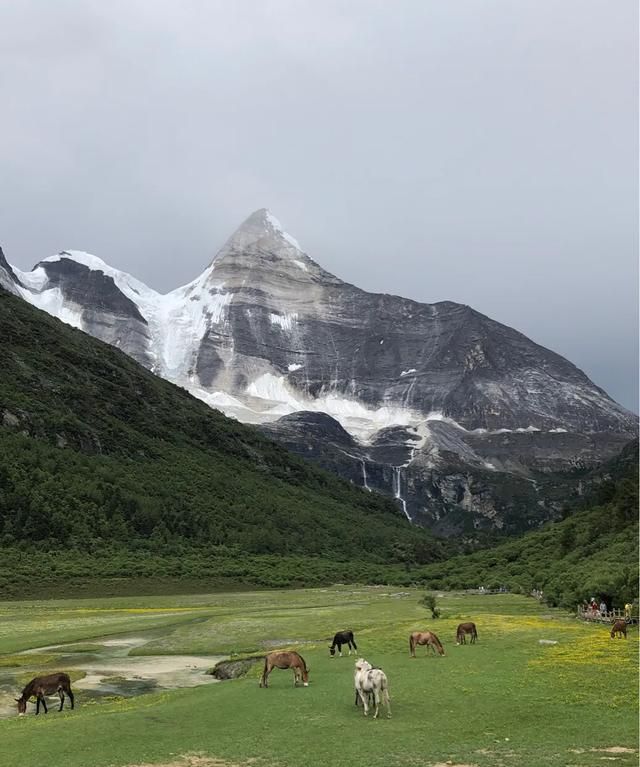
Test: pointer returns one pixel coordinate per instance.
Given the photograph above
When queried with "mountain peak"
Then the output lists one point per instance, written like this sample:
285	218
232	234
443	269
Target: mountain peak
262	229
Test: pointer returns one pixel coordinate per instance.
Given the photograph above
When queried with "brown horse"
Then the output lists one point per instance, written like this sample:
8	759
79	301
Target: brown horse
427	638
40	686
464	629
286	659
619	628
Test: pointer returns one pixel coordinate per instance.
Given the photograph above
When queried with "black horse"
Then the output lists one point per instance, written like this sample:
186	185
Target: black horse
343	637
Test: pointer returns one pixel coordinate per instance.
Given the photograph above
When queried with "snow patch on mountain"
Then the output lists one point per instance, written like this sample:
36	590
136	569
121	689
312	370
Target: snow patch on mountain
276	226
285	321
53	302
359	420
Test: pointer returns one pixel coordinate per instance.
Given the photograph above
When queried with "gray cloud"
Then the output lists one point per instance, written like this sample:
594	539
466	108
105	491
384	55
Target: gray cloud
479	152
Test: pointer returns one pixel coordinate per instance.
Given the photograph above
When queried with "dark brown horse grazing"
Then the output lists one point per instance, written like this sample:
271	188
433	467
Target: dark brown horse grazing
619	628
342	637
427	638
45	685
464	629
286	659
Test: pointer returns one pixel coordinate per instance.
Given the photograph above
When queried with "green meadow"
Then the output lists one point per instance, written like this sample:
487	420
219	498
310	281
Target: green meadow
507	700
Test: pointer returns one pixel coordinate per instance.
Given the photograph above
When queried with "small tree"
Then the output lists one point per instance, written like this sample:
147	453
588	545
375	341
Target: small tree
428	601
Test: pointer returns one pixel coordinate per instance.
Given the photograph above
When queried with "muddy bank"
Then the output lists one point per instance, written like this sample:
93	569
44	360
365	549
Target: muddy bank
234	669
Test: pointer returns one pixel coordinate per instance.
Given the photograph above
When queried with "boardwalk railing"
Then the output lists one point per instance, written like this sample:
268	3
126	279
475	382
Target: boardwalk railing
608	616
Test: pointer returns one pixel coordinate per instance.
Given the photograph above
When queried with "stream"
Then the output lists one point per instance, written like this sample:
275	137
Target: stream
109	671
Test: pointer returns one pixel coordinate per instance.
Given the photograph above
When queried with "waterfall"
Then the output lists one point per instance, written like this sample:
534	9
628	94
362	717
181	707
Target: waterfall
364	475
397	472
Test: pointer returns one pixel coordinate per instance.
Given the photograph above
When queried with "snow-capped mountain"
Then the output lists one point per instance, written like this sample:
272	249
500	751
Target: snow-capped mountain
269	337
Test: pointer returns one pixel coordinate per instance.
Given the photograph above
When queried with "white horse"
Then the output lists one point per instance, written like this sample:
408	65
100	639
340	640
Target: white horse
369	680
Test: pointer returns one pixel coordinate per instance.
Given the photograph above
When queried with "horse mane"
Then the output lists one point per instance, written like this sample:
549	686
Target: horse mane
28	690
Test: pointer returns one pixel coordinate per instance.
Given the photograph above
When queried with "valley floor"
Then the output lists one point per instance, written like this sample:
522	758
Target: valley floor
508	700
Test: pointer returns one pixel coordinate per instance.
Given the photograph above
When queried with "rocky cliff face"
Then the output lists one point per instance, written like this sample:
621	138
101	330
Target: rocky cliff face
459	417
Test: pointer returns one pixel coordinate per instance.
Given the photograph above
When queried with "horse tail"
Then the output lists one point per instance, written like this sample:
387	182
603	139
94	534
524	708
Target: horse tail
353	642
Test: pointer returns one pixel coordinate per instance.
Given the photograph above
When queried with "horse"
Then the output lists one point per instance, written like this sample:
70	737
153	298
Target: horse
464	629
342	637
620	628
369	680
286	659
427	638
370	698
45	685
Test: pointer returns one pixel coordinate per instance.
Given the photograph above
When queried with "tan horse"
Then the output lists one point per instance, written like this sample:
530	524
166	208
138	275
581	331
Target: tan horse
619	628
427	638
286	659
464	629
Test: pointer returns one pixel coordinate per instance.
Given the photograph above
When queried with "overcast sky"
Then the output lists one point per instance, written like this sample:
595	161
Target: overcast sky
481	151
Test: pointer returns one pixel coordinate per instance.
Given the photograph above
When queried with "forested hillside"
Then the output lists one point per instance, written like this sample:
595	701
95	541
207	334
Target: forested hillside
594	551
99	455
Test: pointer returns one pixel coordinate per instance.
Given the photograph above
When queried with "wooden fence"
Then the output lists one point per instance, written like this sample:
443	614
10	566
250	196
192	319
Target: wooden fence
609	616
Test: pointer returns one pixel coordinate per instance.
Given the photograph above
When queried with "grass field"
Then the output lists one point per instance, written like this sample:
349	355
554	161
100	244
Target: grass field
508	700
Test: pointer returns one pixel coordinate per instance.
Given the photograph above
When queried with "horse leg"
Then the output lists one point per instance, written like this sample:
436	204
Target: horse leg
265	674
376	698
70	694
363	698
37	705
387	702
339	649
61	696
44	703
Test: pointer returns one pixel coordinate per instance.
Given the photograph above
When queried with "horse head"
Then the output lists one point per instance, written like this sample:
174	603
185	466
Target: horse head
22	705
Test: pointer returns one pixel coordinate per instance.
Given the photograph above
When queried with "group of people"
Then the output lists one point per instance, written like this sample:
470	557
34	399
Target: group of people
597	610
591	610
